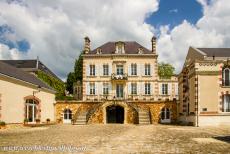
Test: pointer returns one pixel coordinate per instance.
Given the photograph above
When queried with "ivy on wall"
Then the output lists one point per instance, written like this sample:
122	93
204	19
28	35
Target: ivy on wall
56	84
165	70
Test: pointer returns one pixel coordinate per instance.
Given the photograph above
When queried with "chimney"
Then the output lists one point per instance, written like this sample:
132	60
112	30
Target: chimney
87	45
154	40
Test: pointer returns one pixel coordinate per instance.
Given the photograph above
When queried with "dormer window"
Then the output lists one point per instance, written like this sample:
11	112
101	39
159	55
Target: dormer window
99	51
120	47
140	50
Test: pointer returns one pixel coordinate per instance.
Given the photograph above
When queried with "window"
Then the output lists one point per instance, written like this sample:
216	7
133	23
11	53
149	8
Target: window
226	77
164	89
133	69
105	70
133	88
31	110
67	114
105	89
92	89
226	103
165	114
147	69
120	70
119	49
92	70
147	88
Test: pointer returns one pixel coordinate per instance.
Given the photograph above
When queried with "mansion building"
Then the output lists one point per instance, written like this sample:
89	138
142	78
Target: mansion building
204	87
121	85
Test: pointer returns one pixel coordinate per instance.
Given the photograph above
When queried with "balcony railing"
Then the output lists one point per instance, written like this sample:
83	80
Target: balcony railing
119	77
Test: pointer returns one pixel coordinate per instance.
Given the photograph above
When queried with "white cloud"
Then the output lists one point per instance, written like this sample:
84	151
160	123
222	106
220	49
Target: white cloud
212	30
55	29
6	53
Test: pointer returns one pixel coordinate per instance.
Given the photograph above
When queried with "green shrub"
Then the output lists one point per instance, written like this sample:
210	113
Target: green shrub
64	98
2	123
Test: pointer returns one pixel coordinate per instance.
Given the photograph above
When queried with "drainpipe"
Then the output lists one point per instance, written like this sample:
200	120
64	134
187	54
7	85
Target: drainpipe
197	105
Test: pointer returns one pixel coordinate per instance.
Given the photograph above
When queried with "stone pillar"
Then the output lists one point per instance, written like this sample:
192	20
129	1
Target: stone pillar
87	45
153	40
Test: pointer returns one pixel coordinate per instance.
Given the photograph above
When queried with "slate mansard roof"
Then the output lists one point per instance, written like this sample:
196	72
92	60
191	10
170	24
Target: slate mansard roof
18	74
30	66
131	47
217	52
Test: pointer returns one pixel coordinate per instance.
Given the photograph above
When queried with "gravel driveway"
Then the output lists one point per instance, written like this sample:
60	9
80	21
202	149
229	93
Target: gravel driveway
116	139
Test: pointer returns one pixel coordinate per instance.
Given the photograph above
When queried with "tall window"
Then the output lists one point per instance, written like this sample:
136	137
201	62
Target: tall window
226	77
120	70
92	88
105	89
164	89
147	69
105	70
67	114
147	88
226	103
133	88
31	110
92	70
133	69
165	114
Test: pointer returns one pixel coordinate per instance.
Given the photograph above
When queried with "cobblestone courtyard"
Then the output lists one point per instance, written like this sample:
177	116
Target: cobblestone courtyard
122	138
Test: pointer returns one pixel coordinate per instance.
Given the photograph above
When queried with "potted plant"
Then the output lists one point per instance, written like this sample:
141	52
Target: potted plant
26	121
47	120
2	124
37	121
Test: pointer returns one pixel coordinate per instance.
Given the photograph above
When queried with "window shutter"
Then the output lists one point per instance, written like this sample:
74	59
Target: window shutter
87	70
110	88
87	88
152	70
151	88
96	70
129	69
176	88
129	88
96	88
138	69
110	69
169	88
100	88
160	88
143	69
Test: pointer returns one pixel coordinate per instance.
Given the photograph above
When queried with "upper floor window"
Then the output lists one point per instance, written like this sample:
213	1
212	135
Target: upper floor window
164	89
147	88
147	69
105	89
120	70
92	70
226	77
106	69
133	69
226	103
133	88
92	89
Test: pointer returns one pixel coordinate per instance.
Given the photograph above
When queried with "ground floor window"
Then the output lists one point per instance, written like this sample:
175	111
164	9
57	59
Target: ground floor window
226	103
67	116
31	110
165	115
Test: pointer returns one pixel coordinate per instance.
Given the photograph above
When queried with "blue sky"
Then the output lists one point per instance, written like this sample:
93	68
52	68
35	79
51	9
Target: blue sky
173	12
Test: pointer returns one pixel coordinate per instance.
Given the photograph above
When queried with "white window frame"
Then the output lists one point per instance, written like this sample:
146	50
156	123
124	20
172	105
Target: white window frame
105	88
165	111
226	103
92	70
120	69
147	88
165	89
92	89
147	69
134	69
105	69
224	79
133	88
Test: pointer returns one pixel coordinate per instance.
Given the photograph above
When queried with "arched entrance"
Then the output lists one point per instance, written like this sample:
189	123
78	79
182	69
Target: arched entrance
115	114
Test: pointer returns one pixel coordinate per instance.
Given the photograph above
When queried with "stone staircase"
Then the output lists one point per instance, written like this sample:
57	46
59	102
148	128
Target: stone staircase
144	118
81	119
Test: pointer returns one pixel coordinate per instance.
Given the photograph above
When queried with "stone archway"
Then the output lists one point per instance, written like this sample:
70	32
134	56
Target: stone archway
115	114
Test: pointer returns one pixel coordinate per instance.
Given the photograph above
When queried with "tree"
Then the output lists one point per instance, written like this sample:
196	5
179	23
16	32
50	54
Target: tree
76	75
165	70
70	80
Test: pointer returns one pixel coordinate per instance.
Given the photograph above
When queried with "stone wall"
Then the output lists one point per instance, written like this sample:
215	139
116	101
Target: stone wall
98	115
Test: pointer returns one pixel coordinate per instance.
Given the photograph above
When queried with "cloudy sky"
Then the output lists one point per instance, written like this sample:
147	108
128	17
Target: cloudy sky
54	30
